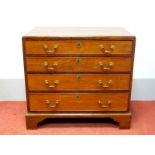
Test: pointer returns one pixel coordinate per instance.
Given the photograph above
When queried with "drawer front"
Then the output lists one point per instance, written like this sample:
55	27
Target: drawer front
76	82
78	101
78	47
78	64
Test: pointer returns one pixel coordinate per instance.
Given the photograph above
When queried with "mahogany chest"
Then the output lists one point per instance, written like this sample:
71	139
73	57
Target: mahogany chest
78	73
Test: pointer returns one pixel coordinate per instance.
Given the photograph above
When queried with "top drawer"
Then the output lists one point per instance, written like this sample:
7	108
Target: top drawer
75	47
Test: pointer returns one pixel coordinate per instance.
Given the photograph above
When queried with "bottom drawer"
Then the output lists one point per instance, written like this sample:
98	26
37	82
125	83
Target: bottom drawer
78	101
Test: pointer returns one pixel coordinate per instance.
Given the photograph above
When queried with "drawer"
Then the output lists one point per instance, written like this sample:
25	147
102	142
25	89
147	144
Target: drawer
78	64
77	82
78	47
78	101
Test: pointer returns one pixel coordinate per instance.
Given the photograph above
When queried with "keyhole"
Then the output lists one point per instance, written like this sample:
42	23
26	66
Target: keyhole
78	44
78	77
77	97
78	61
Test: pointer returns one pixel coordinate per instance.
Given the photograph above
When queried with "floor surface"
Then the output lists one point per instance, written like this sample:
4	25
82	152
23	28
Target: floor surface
12	122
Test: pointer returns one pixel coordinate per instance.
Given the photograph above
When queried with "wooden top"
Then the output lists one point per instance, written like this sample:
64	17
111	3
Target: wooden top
78	32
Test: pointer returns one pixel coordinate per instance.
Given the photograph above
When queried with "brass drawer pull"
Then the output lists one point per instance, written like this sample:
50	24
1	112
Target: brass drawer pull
52	105
103	105
54	49
111	48
106	66
53	66
56	82
100	82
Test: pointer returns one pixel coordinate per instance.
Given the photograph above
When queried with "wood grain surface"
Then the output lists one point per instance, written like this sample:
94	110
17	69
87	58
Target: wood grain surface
78	64
71	47
78	101
77	82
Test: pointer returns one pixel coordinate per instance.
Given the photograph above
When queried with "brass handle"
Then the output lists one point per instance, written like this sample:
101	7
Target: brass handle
52	105
53	66
105	105
107	51
111	48
54	48
56	82
106	66
100	82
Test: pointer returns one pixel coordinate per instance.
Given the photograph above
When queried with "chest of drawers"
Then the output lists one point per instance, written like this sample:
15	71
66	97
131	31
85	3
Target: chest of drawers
78	73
